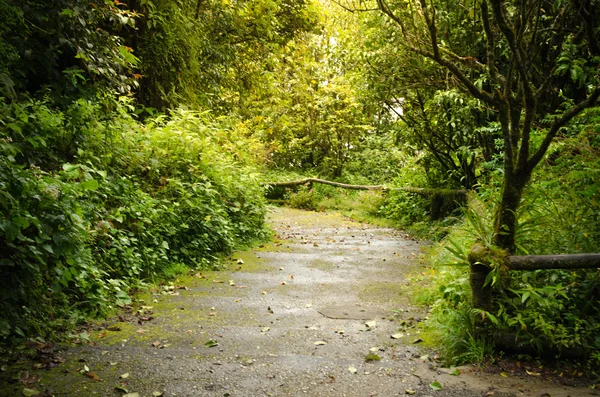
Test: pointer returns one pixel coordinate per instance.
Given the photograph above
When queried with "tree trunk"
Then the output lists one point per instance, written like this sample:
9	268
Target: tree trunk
505	220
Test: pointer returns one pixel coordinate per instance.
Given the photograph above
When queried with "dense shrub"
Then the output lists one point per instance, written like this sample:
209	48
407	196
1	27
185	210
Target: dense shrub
547	312
93	203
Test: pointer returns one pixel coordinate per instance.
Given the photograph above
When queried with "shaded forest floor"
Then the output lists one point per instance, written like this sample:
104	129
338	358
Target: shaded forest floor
317	312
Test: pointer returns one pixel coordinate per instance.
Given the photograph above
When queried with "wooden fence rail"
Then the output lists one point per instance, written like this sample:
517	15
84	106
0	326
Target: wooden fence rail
437	196
479	270
416	190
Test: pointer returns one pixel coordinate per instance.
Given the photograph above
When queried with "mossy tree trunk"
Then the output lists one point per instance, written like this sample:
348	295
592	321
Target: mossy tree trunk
505	219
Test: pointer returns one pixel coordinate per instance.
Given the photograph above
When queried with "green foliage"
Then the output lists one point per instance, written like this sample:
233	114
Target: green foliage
304	198
541	312
64	47
136	202
210	53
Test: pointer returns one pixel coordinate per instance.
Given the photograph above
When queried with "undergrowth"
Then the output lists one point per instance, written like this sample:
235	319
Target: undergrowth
550	314
94	203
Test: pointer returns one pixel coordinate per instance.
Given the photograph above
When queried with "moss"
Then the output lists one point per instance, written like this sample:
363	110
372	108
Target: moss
322	265
381	292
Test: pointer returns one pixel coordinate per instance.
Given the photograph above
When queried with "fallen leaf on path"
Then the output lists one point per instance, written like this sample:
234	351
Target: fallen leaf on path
372	357
532	373
157	394
121	389
436	386
211	343
131	395
410	391
281	268
397	336
283	283
156	344
265	329
352	370
503	374
456	372
418	340
218	281
240	262
28	379
93	376
124	376
232	283
31	392
371	324
320	343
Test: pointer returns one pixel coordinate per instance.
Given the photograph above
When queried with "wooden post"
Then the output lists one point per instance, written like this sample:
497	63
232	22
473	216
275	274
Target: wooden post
435	208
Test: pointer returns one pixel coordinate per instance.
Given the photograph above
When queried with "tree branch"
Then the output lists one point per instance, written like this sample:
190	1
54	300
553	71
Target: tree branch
468	84
589	102
354	9
490	43
386	10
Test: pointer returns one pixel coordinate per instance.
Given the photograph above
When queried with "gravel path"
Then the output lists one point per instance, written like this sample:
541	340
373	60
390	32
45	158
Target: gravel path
297	317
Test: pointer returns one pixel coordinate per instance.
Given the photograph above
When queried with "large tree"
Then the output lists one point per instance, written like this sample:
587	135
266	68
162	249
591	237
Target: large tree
534	63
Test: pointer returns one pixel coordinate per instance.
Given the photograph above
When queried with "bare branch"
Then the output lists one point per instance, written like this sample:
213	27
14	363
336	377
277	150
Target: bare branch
467	61
490	43
590	101
430	21
353	9
467	83
383	6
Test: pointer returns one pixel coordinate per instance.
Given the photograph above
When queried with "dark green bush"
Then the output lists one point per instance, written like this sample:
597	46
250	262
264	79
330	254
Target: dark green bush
92	204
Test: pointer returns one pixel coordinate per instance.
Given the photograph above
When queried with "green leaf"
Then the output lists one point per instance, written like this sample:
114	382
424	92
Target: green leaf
211	343
90	184
436	386
30	392
372	357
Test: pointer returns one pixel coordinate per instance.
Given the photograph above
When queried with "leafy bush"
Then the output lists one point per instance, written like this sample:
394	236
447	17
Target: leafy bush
121	203
304	198
550	312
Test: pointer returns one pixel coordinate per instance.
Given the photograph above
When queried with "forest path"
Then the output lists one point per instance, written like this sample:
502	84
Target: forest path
291	320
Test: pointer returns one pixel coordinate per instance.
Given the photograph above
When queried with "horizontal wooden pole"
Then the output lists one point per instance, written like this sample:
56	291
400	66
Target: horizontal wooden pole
416	190
324	182
541	262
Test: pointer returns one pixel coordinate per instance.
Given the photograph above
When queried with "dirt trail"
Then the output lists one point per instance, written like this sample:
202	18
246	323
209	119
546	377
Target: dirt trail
291	320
